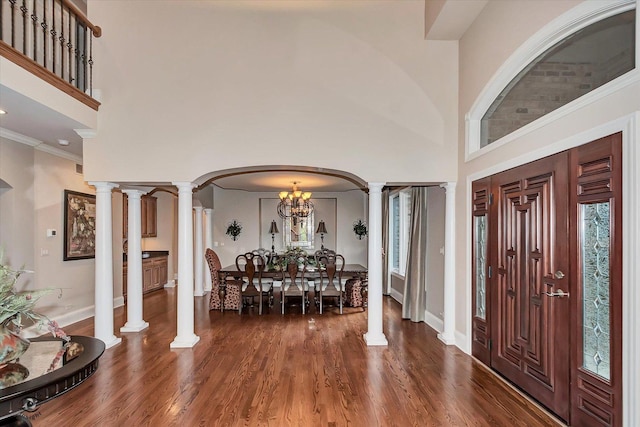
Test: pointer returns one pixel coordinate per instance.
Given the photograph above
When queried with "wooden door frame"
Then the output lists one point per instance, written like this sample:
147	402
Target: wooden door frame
629	125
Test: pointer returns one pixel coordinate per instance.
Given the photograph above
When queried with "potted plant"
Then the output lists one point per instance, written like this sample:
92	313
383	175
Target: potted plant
360	228
234	229
15	308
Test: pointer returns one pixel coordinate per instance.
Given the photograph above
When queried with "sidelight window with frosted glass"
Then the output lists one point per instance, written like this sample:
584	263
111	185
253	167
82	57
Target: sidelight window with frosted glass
480	255
596	321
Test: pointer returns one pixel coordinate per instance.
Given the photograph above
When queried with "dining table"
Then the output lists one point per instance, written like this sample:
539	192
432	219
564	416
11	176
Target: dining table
350	271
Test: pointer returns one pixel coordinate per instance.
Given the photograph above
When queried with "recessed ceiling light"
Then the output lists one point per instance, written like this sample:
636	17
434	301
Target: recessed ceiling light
2	112
63	142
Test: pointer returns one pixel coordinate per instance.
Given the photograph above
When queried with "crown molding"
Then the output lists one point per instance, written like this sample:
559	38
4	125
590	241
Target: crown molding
38	145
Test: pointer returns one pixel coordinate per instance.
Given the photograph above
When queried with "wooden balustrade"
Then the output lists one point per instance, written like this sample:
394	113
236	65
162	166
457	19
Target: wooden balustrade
53	40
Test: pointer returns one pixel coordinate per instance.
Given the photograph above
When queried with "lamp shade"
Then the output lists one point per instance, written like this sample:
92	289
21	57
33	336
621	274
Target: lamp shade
274	228
321	228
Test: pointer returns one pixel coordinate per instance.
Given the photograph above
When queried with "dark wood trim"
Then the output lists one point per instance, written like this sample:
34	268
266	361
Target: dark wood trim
37	70
97	31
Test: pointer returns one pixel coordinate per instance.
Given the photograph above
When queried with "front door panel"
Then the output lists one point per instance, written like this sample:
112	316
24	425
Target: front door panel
532	262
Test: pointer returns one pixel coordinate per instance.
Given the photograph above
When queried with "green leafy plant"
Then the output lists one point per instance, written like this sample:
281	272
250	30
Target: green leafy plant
234	229
360	228
16	307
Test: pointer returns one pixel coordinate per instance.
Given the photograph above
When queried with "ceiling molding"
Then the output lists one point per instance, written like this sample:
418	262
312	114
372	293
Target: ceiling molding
38	145
18	137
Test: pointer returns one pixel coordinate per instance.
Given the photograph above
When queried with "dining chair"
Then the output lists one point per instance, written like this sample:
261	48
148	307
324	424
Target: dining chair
252	266
294	283
329	284
229	292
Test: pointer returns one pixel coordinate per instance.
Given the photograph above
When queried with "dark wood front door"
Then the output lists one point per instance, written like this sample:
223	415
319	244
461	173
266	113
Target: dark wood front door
531	259
547	280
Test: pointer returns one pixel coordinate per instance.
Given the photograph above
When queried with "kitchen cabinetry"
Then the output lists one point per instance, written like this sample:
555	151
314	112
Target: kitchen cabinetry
154	273
149	216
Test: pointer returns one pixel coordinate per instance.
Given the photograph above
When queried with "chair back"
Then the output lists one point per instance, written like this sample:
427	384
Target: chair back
330	266
252	265
214	268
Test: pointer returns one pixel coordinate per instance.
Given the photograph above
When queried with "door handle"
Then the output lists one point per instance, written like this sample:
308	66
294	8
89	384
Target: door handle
560	293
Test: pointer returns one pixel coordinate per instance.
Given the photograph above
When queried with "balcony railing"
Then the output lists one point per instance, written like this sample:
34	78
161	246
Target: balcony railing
53	40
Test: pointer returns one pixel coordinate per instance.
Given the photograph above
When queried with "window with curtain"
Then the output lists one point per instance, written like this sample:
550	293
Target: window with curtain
400	223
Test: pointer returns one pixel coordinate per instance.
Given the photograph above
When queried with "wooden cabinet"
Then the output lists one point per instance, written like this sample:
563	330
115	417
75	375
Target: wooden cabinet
154	274
149	216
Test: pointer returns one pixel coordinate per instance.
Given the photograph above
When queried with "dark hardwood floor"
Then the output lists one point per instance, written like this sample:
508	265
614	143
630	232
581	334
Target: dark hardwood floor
291	370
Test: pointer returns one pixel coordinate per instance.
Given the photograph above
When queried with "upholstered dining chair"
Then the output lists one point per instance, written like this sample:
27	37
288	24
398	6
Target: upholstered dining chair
330	269
232	288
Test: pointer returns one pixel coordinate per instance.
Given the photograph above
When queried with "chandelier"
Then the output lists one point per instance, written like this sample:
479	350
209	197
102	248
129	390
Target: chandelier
295	203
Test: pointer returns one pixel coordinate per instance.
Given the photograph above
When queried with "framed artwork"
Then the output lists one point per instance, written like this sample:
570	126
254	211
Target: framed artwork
79	225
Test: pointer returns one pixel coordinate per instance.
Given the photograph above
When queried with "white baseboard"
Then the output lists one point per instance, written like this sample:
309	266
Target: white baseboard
118	302
434	321
396	295
63	320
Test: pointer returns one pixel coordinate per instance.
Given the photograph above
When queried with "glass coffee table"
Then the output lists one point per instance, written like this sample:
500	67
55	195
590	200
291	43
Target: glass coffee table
52	371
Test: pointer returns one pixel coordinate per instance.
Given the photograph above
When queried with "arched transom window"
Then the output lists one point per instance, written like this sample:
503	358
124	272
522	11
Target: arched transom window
578	64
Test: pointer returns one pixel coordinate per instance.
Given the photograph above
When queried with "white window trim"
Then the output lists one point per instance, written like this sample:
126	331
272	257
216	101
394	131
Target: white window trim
405	219
579	17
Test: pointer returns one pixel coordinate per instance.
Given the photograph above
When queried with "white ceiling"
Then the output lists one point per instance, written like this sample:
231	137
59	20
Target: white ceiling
276	181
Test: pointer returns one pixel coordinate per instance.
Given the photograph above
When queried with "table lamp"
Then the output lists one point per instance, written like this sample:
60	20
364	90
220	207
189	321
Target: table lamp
273	230
322	229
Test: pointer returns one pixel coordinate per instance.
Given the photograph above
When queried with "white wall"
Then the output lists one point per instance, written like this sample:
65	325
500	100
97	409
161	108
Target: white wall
33	205
435	258
52	176
244	206
351	88
17	220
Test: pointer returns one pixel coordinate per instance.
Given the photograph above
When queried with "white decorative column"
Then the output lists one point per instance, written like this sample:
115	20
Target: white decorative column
375	335
135	323
103	320
199	254
208	243
185	317
448	334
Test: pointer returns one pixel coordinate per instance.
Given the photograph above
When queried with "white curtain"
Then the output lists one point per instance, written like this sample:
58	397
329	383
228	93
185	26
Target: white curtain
415	298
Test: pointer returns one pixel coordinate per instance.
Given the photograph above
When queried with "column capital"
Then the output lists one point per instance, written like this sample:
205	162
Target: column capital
449	186
375	186
103	185
198	208
184	186
208	211
133	193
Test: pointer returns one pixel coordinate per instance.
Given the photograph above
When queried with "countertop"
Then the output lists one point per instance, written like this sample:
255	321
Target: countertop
148	254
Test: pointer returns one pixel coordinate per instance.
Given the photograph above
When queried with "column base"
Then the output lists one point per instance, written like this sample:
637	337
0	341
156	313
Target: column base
184	342
447	339
198	293
170	284
375	339
110	341
130	327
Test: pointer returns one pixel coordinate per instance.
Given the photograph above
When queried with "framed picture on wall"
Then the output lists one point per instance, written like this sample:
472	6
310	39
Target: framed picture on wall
79	225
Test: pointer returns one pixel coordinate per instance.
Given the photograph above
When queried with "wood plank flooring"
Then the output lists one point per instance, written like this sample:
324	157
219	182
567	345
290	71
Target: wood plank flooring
291	370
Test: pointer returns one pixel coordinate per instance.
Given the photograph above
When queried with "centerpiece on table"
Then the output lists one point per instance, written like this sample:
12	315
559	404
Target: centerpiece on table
16	307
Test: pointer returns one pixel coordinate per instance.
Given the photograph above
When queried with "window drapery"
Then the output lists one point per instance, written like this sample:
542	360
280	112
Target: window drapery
414	300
